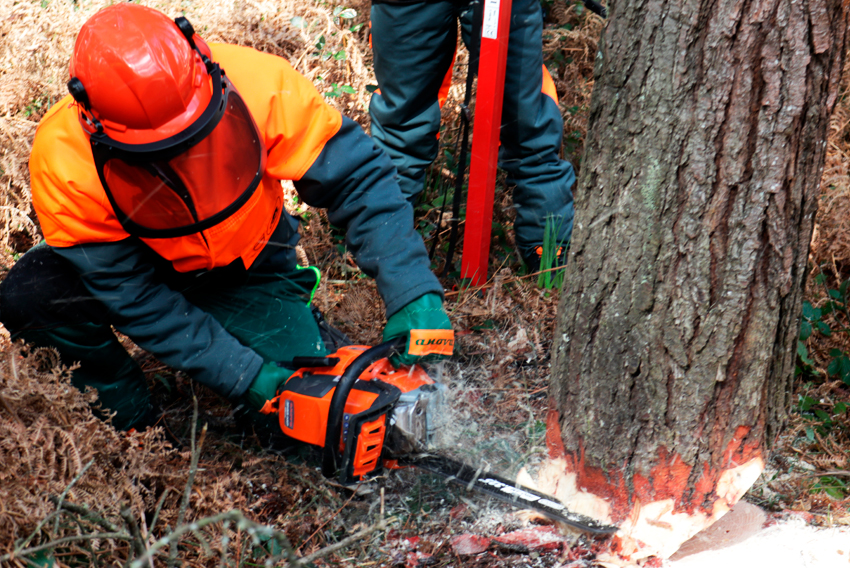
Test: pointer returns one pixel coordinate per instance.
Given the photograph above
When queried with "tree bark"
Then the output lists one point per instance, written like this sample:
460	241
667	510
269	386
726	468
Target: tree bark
676	336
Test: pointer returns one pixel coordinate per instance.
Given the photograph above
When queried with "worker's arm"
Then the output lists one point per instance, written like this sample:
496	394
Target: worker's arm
334	165
356	183
161	321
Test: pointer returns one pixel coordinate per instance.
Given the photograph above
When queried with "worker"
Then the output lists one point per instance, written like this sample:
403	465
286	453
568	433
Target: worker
157	187
414	45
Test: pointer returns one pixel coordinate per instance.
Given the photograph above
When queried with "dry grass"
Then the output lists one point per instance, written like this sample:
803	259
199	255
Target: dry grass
52	445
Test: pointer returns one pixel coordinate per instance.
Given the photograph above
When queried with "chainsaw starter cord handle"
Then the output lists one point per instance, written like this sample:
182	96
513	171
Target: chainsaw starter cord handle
330	453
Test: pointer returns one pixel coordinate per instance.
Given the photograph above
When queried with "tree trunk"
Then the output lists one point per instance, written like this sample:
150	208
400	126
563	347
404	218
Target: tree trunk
677	326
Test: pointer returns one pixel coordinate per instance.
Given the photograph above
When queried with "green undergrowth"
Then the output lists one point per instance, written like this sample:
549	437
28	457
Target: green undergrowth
823	369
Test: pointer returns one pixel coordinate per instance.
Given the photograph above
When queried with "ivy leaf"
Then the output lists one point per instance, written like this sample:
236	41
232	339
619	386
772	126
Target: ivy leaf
803	353
834	492
808	310
805	330
840	367
824	329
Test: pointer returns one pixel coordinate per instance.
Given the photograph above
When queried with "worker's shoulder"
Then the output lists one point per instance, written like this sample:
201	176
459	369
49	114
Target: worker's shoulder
61	116
264	79
59	129
239	59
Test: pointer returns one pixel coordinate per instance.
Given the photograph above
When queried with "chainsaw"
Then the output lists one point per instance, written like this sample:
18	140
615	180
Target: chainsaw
368	416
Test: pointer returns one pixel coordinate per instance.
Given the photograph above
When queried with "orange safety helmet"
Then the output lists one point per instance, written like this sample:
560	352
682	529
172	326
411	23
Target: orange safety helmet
175	146
143	80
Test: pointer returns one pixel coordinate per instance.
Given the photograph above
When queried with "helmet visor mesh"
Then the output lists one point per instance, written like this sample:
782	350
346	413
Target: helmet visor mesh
195	189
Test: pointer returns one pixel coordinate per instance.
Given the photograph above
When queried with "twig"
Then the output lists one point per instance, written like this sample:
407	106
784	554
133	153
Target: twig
68	489
139	547
225	539
180	530
253	529
511	280
61	541
79	522
83	512
44	521
381	525
193	469
835	473
157	510
338	511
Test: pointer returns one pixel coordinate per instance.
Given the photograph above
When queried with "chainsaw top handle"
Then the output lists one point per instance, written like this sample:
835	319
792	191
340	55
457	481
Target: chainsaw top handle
331	458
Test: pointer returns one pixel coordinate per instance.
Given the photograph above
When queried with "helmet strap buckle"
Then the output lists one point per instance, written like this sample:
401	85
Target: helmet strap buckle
78	91
188	32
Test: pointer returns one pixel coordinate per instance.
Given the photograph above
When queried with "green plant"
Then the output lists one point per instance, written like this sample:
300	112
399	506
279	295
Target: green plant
572	143
38	106
337	90
825	415
813	321
550	259
344	13
833	486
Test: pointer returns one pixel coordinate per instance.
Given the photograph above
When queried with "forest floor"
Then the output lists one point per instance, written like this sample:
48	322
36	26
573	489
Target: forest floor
248	502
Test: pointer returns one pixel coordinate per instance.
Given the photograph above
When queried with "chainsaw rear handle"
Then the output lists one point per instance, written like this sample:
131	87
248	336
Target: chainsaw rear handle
331	457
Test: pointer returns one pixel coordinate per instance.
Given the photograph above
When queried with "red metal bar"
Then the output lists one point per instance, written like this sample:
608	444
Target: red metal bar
495	30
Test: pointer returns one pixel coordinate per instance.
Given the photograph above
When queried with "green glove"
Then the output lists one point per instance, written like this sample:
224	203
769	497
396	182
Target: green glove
427	321
265	385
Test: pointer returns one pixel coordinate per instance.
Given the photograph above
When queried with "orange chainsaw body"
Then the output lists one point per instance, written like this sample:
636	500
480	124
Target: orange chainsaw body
303	406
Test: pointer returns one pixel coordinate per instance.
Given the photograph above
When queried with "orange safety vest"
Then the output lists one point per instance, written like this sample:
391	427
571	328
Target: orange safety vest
293	119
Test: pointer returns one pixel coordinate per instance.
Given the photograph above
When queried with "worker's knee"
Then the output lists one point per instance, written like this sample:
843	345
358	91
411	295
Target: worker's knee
43	290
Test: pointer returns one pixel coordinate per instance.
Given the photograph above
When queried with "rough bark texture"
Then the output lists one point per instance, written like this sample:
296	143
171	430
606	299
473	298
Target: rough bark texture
677	326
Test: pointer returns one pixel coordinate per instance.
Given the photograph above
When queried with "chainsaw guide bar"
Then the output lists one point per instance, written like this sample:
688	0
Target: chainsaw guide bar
506	491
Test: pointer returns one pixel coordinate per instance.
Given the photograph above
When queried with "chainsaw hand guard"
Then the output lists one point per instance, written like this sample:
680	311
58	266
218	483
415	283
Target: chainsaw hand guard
332	460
